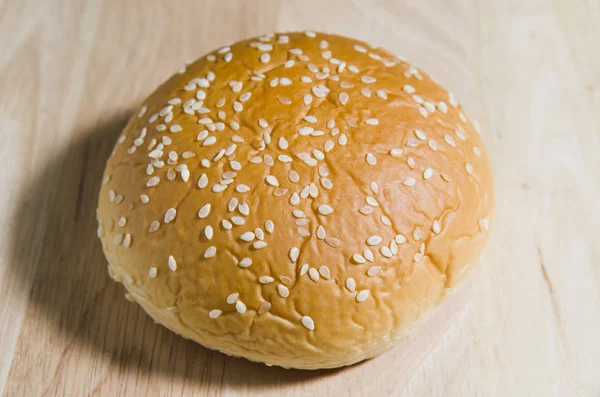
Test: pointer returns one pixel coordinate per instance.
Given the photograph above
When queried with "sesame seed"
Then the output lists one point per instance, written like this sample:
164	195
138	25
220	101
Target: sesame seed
358	258
303	232
366	92
152	273
313	274
202	181
326	183
122	221
232	298
353	69
462	117
446	177
385	220
208	232
368	79
308	323
409	182
325	272
368	254
240	307
469	168
342	140
151	182
244	209
343	97
333	242
247	236
305	131
325	209
477	151
217	188
154	226
118	239
265	58
484	224
417	234
238	220
400	239
127	241
185	174
283	290
204	211
385	251
396	152
394	247
319	155
433	145
175	128
210	252
264	308
211	140
170	215
362	295
226	224
142	111
373	271
374	240
321	233
417	99
428	173
460	133
409	89
259	233
421	135
351	284
294	176
214	313
241	188
271	180
320	91
436	227
371	159
294	253
423	111
307	99
372	121
172	263
295	199
283	143
448	138
442	107
372	201
299	214
266	279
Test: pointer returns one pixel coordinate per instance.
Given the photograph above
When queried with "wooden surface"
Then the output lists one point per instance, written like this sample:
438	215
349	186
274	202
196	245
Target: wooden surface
527	322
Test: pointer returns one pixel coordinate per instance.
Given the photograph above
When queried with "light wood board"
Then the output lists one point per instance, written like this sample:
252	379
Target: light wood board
527	321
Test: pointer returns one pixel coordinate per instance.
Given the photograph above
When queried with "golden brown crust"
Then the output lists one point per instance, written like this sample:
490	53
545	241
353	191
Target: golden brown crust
383	159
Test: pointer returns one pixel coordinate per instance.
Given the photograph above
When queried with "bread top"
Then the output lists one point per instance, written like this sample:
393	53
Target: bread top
296	198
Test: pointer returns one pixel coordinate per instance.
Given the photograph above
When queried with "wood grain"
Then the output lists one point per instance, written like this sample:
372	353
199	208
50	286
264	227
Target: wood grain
525	324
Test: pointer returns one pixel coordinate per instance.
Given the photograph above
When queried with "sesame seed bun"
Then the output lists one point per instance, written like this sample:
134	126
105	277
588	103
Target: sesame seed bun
296	199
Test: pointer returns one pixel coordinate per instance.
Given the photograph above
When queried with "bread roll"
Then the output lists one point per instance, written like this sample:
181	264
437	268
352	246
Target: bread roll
296	199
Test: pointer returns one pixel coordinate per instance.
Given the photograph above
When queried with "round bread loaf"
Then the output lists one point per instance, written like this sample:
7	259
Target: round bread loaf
296	199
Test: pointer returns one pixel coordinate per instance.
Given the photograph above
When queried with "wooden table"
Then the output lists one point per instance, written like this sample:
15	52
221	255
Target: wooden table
527	322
